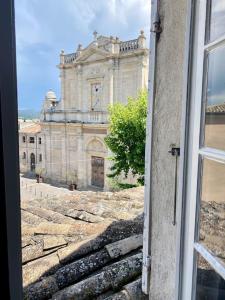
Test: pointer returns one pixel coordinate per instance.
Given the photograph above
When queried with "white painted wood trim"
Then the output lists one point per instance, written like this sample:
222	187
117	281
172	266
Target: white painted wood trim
214	262
192	172
148	157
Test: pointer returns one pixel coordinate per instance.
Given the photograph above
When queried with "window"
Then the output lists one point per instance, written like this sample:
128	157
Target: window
24	139
204	269
96	91
40	157
24	155
39	140
31	140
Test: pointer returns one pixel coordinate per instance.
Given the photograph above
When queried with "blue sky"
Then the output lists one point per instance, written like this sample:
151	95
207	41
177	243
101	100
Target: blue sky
44	27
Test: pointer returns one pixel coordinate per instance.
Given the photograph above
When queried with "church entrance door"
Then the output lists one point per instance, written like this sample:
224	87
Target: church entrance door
97	171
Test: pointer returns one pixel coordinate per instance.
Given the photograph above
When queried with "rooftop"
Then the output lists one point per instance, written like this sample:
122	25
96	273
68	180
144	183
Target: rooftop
219	108
31	128
83	245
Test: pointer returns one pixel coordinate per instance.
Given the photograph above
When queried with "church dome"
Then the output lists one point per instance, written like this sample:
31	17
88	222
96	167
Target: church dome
50	95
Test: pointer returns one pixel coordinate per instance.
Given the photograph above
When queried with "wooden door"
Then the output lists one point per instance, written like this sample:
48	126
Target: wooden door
97	171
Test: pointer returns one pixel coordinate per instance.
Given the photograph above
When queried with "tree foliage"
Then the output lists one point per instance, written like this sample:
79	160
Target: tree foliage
127	135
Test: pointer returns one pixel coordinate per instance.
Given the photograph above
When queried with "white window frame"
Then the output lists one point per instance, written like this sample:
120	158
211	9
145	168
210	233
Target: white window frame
194	153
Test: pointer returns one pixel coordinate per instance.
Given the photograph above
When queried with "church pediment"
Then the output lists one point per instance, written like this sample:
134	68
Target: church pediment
92	54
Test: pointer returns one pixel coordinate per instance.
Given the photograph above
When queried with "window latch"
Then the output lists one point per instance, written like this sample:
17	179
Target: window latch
175	151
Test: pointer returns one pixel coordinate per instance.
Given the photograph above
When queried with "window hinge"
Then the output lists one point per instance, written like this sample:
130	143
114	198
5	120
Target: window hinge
147	262
156	24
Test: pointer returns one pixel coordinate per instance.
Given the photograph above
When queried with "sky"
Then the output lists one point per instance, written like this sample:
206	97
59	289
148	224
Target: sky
45	27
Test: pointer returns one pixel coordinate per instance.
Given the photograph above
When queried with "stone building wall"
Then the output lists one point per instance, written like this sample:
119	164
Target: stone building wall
105	72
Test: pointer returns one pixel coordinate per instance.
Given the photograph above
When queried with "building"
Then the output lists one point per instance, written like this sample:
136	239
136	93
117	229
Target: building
74	127
31	148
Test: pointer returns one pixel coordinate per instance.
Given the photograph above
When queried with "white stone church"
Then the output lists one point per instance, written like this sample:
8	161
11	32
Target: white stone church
68	143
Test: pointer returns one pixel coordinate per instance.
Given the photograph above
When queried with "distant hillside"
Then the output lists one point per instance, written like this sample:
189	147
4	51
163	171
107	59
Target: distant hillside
28	114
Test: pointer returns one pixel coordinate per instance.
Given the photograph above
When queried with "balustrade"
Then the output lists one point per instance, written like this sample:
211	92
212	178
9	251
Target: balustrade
70	58
129	45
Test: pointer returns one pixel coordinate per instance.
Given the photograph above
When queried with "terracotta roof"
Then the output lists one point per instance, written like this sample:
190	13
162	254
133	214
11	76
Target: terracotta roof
220	108
33	128
85	245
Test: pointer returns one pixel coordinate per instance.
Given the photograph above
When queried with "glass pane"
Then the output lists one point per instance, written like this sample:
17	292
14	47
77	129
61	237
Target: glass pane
212	220
210	286
215	97
217	19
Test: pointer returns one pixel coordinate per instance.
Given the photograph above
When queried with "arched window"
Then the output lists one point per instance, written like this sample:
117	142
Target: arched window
24	155
24	139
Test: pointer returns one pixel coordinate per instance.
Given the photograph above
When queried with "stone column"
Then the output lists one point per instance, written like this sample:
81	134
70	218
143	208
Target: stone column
64	152
81	159
111	82
116	81
62	79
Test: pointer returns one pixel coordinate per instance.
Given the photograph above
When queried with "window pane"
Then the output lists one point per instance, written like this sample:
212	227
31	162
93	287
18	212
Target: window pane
212	221
210	286
217	19
215	108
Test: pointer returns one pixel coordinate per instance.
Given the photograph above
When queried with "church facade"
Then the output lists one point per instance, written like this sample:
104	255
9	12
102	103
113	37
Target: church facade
73	128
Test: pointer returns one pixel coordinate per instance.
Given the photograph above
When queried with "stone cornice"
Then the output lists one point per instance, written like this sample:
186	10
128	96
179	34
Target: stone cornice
123	55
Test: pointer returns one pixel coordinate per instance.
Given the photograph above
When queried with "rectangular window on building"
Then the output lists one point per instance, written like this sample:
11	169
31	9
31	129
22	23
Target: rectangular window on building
31	140
24	139
40	157
39	140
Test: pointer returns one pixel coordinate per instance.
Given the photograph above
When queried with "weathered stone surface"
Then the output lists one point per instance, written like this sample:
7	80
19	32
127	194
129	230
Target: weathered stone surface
34	270
116	231
53	241
30	218
75	271
134	290
26	241
41	290
31	252
67	229
48	215
85	266
83	215
123	295
113	276
124	246
77	250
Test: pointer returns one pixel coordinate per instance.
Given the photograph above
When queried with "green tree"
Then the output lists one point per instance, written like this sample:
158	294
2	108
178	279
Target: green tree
127	135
